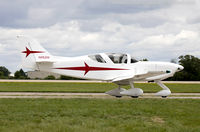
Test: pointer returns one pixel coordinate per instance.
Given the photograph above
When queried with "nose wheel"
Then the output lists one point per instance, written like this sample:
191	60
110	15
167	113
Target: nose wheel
165	92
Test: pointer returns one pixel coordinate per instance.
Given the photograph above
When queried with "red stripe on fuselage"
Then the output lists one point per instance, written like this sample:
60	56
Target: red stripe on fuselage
87	68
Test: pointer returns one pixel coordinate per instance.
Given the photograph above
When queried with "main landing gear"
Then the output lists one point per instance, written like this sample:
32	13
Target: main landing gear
119	92
116	92
136	92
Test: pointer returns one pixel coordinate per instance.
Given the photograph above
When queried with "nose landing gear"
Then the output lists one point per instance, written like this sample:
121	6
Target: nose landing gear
163	93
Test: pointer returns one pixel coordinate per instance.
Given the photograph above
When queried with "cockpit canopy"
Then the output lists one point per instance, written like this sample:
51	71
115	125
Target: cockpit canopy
97	58
117	58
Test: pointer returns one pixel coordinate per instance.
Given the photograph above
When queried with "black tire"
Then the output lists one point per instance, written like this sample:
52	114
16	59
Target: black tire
164	96
134	96
118	96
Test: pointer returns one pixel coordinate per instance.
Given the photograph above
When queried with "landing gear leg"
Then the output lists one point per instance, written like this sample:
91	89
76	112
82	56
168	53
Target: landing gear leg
116	92
119	89
165	92
132	87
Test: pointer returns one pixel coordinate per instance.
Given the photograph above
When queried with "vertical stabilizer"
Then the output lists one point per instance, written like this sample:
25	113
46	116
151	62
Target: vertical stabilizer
32	53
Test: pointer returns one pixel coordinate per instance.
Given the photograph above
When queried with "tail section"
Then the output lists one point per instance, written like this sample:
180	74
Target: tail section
33	53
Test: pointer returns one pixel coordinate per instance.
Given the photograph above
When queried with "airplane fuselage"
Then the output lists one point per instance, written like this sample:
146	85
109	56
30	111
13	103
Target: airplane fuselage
86	68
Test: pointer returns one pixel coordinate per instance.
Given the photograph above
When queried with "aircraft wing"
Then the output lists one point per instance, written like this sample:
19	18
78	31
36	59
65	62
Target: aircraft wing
148	75
123	80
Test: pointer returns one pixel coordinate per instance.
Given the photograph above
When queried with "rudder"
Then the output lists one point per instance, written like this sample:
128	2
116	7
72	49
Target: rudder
33	53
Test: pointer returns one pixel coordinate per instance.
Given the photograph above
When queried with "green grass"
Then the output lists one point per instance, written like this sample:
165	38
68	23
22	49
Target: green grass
99	115
88	87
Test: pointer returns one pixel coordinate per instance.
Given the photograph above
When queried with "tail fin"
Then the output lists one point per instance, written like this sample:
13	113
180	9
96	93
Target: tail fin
33	53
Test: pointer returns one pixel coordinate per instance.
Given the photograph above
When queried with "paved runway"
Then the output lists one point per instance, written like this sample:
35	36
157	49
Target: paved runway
90	95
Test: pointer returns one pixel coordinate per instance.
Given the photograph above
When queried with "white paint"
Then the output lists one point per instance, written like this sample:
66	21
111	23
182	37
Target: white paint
123	73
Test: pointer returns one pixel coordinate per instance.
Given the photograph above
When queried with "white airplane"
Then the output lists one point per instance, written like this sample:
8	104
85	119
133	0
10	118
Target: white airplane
119	68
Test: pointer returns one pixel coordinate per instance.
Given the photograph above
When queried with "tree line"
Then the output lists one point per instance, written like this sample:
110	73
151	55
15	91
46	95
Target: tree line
5	74
191	71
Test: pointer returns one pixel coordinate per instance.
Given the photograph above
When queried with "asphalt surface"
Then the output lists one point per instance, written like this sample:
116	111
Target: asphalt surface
90	95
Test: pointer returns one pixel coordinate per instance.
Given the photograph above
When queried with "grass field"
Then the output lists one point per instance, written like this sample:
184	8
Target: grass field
89	87
97	115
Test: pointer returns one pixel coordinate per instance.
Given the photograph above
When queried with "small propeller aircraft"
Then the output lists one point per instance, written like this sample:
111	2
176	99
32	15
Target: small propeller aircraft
119	68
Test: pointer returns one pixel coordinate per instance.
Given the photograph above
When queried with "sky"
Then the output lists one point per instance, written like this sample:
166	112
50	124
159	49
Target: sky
159	30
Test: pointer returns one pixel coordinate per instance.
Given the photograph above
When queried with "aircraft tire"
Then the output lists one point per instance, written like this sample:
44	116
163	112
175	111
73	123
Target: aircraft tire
134	96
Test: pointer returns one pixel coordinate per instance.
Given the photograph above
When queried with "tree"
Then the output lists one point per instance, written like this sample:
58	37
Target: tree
17	74
4	71
1	74
191	71
20	74
145	59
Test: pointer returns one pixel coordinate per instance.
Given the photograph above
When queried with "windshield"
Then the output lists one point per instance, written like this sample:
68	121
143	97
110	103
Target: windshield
97	58
133	60
117	58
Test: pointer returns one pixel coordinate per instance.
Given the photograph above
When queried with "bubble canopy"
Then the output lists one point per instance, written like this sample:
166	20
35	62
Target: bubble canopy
116	58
